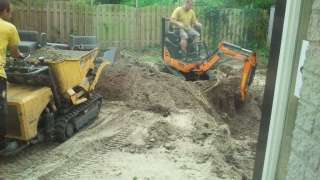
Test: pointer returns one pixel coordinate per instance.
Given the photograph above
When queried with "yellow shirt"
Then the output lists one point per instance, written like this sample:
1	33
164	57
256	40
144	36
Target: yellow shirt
8	37
188	18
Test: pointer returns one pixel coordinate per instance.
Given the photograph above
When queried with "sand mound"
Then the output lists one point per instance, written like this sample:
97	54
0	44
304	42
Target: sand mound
143	87
222	93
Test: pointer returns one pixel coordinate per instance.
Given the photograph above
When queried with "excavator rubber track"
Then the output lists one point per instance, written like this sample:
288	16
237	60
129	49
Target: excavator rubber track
78	118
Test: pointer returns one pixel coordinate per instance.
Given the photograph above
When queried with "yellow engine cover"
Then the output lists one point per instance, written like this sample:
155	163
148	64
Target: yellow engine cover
25	106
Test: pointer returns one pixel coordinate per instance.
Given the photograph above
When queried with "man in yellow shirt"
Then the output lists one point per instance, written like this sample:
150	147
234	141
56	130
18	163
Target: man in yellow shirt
9	38
185	18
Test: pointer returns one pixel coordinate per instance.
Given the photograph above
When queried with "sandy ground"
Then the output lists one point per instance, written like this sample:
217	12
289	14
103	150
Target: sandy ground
154	126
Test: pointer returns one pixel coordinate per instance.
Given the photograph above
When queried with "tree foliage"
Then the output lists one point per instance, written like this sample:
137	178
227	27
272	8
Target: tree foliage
265	4
143	3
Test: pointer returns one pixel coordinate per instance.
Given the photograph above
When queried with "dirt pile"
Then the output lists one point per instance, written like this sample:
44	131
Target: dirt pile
223	94
242	118
144	87
53	54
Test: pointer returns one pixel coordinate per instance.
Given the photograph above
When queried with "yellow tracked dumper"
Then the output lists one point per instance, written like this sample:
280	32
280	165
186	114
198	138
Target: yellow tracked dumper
51	98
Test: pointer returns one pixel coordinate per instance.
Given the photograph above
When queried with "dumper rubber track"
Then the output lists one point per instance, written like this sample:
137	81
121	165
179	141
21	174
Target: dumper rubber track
79	117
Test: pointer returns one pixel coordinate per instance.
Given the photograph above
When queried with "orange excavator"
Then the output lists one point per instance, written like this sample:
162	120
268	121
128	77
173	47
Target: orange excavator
198	61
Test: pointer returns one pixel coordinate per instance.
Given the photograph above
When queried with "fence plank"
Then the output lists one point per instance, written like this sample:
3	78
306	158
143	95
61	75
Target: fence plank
61	22
68	20
97	22
106	30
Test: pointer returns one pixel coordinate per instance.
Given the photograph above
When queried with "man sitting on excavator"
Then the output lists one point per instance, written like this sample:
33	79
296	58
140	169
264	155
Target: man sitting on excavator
185	19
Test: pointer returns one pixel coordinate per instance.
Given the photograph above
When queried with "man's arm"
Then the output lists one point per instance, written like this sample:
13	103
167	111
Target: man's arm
14	41
15	52
195	21
177	23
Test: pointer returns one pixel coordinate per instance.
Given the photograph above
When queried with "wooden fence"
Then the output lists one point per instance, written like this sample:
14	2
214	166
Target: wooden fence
245	27
124	26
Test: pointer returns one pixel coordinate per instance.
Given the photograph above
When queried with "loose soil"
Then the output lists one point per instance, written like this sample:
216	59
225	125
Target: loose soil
154	125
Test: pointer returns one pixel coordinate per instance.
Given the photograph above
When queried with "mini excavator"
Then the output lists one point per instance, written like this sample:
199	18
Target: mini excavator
198	61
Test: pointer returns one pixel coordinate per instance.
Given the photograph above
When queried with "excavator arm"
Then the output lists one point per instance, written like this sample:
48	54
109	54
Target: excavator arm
235	52
225	49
